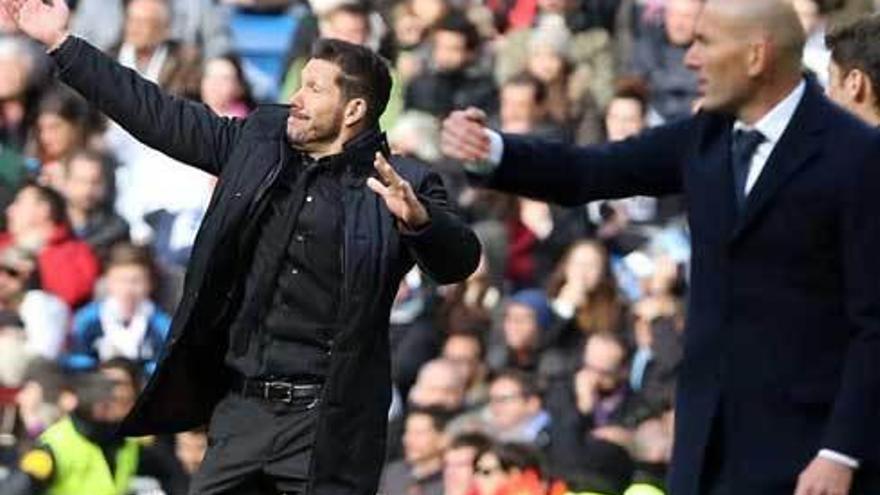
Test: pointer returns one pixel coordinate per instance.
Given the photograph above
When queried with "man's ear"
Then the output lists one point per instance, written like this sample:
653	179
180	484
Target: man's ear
857	86
355	111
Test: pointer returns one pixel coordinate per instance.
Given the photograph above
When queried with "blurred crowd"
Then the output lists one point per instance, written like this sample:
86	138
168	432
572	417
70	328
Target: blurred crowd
551	370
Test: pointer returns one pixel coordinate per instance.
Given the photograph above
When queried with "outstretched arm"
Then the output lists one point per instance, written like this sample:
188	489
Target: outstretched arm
185	130
650	164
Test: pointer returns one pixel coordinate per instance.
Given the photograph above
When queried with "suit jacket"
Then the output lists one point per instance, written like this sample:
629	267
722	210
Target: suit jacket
247	156
784	315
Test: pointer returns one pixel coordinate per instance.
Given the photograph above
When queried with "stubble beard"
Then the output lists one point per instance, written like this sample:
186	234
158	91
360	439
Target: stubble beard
311	135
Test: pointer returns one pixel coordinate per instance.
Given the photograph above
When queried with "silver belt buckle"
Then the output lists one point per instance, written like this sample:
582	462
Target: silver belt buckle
286	387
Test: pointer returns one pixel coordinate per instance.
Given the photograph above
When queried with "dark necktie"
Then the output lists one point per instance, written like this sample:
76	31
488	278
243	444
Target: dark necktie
744	145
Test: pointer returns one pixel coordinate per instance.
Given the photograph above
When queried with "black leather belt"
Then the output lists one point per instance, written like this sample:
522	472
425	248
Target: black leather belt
277	390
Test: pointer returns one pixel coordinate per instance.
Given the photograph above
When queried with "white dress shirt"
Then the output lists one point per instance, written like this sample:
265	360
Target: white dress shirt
772	125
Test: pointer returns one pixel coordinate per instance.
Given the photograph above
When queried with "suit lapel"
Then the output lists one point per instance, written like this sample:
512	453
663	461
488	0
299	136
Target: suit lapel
795	149
716	154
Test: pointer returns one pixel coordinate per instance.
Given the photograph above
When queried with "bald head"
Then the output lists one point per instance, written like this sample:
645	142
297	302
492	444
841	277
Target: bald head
774	21
747	55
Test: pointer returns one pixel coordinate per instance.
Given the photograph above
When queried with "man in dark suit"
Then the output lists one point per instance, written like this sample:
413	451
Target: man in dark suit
778	391
280	341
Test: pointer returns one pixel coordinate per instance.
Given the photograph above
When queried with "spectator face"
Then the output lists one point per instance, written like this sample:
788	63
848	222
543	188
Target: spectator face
429	11
553	6
519	109
129	285
12	279
190	447
585	264
450	51
421	440
508	406
316	115
220	86
680	20
464	351
408	27
14	76
719	56
520	327
28	211
438	384
625	118
146	24
546	65
85	187
347	26
488	474
604	358
122	401
458	470
57	137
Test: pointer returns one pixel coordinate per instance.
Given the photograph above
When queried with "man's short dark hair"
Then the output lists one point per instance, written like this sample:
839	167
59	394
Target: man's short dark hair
528	385
363	74
457	22
857	46
440	417
92	389
56	202
527	79
633	88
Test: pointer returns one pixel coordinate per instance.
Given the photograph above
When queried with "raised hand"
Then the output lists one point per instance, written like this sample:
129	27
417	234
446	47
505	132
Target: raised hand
398	195
43	20
463	136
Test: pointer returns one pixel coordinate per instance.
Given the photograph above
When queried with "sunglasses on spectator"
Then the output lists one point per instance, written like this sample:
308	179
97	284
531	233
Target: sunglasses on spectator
486	471
12	272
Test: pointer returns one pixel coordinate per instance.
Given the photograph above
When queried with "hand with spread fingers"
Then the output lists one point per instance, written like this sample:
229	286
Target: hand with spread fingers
463	136
398	195
43	20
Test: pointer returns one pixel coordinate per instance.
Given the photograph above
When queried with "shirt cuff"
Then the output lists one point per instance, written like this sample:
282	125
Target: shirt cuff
496	150
839	458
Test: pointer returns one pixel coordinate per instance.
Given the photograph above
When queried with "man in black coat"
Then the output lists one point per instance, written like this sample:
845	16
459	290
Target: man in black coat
280	340
780	381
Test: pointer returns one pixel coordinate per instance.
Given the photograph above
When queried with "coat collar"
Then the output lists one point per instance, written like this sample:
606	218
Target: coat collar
797	146
356	159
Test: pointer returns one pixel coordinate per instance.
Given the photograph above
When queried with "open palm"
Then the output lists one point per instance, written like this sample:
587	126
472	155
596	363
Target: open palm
42	20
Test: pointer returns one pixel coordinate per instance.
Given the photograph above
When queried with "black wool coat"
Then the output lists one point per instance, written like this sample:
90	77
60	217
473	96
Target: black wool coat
246	156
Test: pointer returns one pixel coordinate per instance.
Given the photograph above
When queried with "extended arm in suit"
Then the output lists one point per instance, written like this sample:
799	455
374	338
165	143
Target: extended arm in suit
650	164
184	130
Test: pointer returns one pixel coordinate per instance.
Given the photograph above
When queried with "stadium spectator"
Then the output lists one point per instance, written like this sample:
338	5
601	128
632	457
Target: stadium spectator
88	190
126	322
454	78
515	412
37	221
659	59
424	443
224	87
39	319
459	460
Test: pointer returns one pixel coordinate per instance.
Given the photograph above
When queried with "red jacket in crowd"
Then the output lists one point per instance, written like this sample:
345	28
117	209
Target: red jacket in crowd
68	267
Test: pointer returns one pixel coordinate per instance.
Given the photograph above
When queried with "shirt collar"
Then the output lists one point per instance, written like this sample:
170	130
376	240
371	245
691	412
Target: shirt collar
773	124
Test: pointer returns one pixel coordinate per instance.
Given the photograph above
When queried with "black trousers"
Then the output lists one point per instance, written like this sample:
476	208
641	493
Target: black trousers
258	447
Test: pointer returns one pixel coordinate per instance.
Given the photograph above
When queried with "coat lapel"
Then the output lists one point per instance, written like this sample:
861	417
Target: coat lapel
795	149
